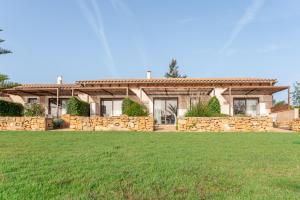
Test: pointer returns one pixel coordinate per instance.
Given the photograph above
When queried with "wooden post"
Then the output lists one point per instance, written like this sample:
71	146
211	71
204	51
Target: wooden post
230	102
57	102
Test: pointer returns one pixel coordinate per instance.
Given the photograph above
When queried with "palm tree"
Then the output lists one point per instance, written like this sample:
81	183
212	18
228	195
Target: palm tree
3	51
5	84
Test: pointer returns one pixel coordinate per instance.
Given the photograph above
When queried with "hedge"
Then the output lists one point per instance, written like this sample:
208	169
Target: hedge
11	109
77	107
132	108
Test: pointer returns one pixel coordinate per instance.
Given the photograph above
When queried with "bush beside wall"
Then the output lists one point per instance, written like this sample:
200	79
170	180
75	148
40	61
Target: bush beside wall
132	108
77	107
34	110
214	105
11	109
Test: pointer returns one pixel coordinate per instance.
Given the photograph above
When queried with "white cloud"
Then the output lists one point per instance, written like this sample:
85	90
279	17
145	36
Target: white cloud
93	15
247	18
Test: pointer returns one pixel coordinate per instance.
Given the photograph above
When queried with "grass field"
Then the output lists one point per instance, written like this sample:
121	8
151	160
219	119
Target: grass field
69	165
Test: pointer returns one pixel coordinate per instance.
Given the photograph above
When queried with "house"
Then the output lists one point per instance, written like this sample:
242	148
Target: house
165	98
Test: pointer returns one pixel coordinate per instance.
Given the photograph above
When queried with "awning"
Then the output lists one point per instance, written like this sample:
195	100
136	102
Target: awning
177	91
254	90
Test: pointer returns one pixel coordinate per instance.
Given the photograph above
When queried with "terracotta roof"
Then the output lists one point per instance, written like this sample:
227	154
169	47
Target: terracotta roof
78	84
45	86
179	80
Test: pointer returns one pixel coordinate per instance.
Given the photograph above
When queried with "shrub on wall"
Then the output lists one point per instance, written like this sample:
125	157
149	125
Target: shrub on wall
34	109
77	107
11	109
132	108
214	105
200	109
206	109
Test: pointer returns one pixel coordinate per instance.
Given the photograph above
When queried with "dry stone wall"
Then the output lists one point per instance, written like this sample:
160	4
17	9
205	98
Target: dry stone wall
120	123
23	123
296	125
223	124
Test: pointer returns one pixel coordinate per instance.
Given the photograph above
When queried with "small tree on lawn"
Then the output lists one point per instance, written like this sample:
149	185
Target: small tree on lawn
296	94
173	70
3	51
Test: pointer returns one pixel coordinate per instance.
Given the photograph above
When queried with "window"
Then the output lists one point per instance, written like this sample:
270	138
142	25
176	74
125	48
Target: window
32	100
62	106
247	107
111	107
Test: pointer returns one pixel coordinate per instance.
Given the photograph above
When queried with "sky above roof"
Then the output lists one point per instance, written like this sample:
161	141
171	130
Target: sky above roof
96	39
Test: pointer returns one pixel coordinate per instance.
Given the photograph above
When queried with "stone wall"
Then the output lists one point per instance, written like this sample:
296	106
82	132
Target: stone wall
222	124
296	125
23	123
123	123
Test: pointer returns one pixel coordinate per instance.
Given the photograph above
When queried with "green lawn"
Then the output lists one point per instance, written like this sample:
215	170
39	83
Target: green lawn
124	165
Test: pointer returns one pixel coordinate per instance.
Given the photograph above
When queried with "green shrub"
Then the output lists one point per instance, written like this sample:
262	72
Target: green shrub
77	107
204	109
132	108
214	105
280	103
200	109
11	109
58	123
34	109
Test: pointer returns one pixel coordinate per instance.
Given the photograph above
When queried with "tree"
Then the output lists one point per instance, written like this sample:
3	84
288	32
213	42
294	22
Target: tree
5	84
3	51
173	70
296	94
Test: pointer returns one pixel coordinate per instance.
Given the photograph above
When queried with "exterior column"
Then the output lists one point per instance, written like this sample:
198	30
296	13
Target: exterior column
72	92
127	92
57	102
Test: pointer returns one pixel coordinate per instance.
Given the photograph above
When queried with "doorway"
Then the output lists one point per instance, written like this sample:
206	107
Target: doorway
165	111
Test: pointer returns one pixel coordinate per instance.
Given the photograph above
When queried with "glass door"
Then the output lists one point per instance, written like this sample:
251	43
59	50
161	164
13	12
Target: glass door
111	107
165	111
252	107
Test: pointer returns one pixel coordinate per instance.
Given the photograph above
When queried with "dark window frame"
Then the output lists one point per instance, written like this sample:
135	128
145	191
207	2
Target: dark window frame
244	99
32	98
109	99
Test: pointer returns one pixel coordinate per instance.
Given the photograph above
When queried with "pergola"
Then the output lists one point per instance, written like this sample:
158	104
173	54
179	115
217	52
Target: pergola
254	90
60	90
177	90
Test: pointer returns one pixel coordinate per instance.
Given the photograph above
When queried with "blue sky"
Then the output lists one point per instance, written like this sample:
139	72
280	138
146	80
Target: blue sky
95	39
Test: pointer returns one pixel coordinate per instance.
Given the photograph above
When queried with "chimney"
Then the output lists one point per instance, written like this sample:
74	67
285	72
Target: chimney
148	74
59	80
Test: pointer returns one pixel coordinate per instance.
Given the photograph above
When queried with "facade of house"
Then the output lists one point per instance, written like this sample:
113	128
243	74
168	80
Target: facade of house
164	98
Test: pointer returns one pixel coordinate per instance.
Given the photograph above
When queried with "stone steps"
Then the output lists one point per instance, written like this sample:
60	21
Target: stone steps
165	128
